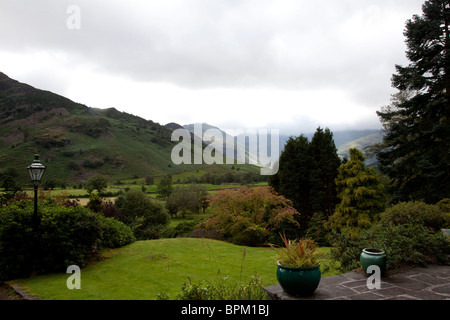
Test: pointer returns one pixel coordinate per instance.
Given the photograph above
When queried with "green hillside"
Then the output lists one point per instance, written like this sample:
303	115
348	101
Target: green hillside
361	144
76	141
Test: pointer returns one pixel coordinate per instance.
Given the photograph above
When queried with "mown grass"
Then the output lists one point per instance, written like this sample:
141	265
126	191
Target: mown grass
144	269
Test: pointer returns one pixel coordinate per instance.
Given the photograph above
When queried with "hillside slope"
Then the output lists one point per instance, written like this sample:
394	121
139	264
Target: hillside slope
361	143
76	141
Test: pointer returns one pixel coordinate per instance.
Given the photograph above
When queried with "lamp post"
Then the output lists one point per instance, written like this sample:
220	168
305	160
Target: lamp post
36	170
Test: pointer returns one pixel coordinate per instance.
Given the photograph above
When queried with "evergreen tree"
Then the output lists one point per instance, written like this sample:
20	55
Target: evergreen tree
415	152
306	174
292	179
323	172
361	196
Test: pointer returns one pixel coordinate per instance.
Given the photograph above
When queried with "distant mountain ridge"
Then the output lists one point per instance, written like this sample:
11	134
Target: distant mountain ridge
76	141
344	140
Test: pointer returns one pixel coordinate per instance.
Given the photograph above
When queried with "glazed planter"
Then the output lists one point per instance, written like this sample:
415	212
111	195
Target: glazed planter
299	281
373	256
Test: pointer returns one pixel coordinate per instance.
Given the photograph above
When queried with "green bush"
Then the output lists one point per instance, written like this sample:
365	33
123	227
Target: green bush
115	233
406	244
433	217
183	229
409	244
222	290
145	216
317	230
65	236
16	239
68	235
345	250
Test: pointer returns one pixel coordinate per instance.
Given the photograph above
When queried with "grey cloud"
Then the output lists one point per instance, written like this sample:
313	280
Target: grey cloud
213	43
294	45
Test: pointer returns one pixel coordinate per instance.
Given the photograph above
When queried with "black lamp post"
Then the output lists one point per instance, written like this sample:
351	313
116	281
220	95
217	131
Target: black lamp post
36	170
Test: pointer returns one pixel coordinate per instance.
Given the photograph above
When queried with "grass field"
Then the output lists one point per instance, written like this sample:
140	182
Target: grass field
144	269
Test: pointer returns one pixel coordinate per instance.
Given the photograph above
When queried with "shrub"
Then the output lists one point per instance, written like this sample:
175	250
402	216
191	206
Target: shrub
297	254
115	233
433	217
145	216
406	244
95	203
65	236
68	235
207	234
317	230
16	238
222	290
183	229
345	250
110	210
409	244
251	216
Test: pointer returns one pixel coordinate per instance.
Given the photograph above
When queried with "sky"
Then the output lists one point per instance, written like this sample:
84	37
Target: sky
291	65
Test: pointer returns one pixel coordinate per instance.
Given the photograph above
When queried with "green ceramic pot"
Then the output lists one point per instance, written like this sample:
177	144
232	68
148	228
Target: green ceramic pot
299	281
372	256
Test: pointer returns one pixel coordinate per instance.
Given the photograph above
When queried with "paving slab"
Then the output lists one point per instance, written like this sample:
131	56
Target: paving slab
428	283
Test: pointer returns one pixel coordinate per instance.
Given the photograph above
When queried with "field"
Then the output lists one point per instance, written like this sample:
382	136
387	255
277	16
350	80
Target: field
144	269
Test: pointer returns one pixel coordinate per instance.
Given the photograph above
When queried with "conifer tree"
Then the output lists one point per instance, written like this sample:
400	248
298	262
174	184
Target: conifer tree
324	166
292	179
415	152
306	175
361	196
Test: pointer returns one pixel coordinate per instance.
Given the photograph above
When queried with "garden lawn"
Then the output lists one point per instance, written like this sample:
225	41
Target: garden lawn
144	269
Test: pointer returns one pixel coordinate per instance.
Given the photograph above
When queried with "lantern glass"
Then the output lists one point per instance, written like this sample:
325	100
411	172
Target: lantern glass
36	170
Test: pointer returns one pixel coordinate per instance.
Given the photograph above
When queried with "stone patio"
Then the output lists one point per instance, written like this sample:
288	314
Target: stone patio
429	283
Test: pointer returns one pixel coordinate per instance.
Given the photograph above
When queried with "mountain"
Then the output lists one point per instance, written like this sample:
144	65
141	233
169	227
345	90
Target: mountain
361	143
209	132
76	141
344	140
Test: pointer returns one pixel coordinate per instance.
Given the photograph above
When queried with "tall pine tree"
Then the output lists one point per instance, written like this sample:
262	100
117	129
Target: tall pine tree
324	166
292	179
306	175
415	152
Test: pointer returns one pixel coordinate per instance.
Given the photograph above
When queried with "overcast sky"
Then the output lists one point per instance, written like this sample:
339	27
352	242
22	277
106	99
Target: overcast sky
235	64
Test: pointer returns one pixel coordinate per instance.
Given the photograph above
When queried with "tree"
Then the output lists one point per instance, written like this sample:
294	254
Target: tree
201	196
415	150
181	199
95	203
97	182
292	178
252	215
361	197
323	172
184	199
165	187
306	174
149	180
144	215
8	182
